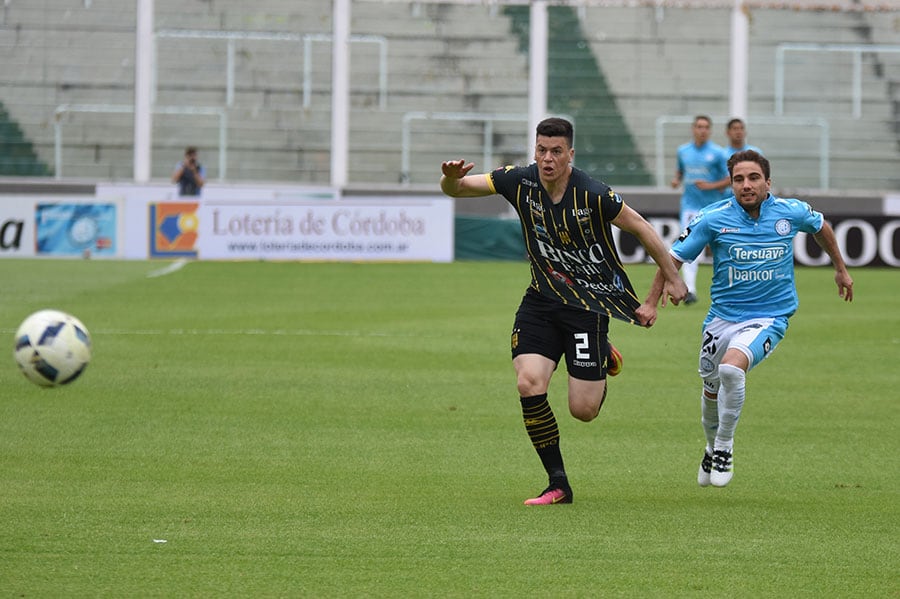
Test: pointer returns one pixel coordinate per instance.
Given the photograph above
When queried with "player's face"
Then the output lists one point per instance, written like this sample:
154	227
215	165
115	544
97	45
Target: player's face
737	133
553	156
701	132
750	186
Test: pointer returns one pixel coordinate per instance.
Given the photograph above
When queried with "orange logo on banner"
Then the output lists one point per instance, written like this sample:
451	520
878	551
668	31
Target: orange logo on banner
173	229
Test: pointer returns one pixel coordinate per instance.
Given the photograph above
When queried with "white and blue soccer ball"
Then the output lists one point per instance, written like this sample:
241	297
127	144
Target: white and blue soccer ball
52	348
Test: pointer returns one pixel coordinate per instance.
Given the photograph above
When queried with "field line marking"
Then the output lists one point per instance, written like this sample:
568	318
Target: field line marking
253	332
174	267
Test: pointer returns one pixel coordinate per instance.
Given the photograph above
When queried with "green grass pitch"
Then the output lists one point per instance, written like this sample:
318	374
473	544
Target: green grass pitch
344	430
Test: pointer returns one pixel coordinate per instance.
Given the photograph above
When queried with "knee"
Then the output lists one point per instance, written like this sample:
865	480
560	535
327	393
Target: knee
585	405
584	412
529	385
730	375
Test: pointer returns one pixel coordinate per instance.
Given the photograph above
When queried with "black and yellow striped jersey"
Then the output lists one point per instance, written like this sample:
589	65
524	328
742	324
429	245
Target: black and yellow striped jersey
570	244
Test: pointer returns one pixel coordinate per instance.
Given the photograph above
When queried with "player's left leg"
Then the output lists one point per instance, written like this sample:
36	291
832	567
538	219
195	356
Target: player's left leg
615	362
749	344
589	357
586	398
732	377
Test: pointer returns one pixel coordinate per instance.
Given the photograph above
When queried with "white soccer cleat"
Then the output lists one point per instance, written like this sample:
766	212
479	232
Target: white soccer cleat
705	469
722	468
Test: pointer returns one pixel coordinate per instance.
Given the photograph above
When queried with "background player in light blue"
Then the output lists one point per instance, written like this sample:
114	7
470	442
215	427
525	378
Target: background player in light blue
702	172
753	294
736	131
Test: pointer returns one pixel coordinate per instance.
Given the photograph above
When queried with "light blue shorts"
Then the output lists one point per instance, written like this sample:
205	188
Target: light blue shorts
756	338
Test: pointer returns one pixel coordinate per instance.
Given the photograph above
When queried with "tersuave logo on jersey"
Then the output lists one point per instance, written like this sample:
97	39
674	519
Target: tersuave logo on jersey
748	254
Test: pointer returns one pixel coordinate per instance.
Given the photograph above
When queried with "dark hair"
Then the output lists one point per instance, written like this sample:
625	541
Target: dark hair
732	122
702	117
190	150
556	127
749	156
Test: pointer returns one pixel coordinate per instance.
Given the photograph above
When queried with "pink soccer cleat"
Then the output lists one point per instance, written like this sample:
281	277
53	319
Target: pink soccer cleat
615	363
551	496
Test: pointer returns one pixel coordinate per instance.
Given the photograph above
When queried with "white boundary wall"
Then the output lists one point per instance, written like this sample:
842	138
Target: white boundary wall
227	223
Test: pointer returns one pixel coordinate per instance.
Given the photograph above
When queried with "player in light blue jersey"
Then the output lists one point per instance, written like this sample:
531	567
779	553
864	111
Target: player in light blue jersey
753	294
703	173
736	131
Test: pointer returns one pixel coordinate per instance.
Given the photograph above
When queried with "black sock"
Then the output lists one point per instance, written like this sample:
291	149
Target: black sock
540	423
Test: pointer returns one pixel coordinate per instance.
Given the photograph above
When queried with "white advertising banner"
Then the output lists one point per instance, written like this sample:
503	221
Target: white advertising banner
282	223
17	227
411	229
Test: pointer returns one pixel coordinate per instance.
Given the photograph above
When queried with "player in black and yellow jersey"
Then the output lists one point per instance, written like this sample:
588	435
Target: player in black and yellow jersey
577	283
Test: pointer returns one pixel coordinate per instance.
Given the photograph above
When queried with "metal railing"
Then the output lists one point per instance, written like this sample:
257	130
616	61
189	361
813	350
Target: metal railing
306	39
820	123
856	50
129	109
486	118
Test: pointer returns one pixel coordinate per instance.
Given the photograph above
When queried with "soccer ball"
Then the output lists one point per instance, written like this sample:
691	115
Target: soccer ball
52	348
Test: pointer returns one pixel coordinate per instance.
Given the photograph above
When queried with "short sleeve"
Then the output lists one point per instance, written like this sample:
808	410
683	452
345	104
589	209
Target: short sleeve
692	240
611	204
810	221
503	180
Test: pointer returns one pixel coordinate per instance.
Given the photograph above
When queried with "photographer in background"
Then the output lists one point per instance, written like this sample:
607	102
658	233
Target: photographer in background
189	174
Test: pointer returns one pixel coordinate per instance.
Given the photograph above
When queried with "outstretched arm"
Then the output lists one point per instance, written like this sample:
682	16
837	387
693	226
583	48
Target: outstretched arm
671	284
457	183
660	288
827	241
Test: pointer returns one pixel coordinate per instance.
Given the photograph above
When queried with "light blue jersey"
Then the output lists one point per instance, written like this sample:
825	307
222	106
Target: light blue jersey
753	260
703	163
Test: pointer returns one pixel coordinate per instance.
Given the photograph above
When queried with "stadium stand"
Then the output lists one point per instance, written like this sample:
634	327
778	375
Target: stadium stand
17	155
60	56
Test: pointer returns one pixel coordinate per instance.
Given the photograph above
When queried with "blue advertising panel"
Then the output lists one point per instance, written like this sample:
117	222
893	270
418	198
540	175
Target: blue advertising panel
75	229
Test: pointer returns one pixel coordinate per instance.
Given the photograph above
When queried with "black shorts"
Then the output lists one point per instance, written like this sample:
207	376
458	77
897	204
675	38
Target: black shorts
553	329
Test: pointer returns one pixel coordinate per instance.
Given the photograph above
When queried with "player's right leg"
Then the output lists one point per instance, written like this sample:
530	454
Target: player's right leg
533	373
536	348
553	494
712	350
